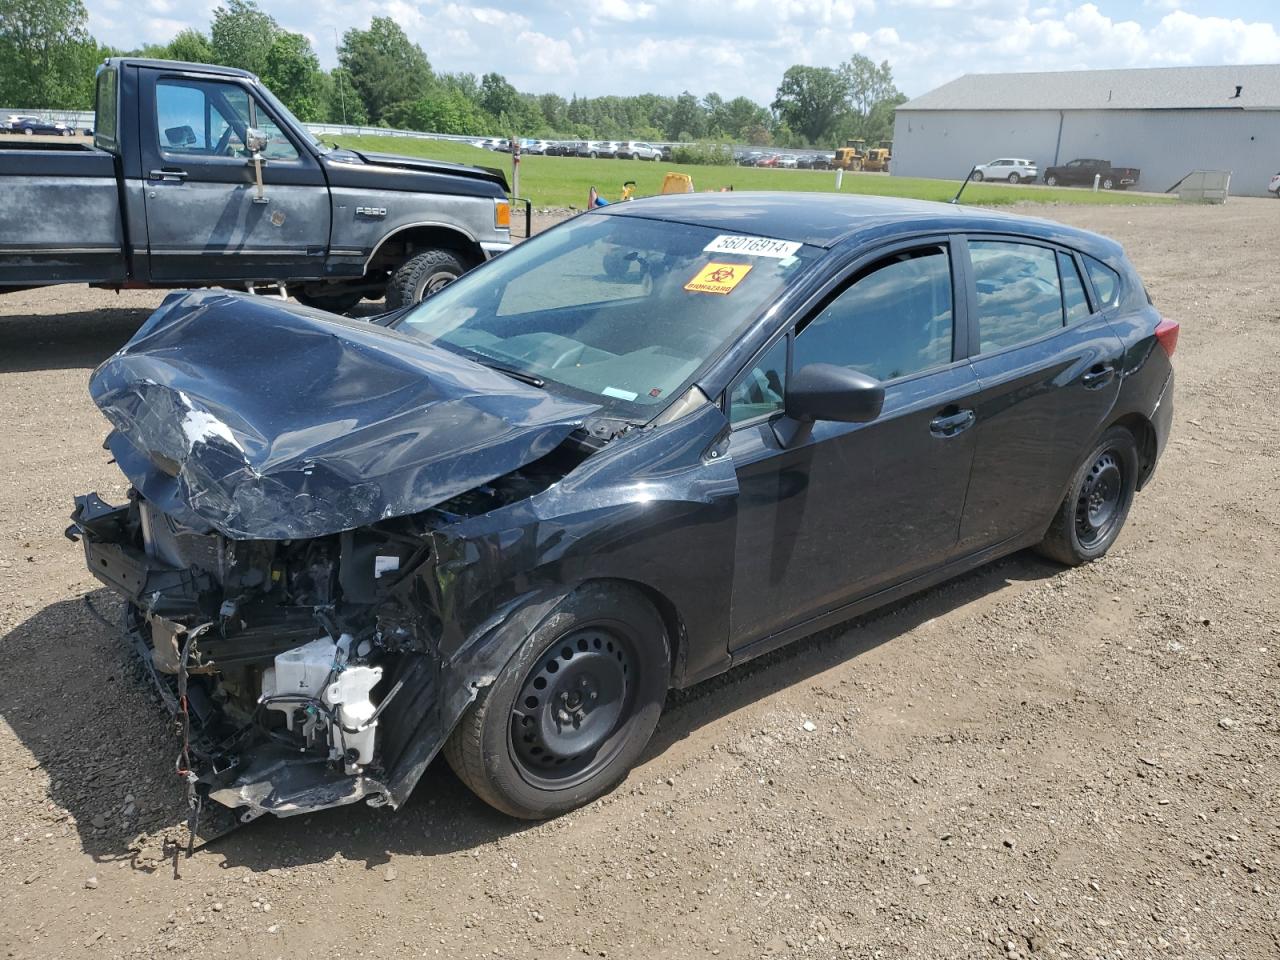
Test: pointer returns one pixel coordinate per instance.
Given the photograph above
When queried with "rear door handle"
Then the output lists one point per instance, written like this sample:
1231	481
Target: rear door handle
172	174
949	424
1098	376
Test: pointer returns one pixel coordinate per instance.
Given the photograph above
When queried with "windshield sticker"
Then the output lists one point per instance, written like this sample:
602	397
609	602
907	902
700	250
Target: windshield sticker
619	394
752	246
718	278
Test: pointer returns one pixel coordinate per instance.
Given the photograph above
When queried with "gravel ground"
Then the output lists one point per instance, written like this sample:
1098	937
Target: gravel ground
1026	762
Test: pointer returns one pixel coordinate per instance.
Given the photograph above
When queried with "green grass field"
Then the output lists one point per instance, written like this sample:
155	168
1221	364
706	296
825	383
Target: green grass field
564	181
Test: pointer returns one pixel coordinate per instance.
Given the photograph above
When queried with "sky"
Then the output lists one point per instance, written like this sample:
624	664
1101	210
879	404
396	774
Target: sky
742	47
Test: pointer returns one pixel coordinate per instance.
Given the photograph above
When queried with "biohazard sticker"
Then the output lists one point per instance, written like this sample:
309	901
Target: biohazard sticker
718	278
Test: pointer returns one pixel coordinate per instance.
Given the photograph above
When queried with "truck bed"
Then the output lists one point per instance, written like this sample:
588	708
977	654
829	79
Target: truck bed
61	220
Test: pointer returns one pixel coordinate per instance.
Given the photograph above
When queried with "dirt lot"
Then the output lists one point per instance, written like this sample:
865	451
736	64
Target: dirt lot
1026	762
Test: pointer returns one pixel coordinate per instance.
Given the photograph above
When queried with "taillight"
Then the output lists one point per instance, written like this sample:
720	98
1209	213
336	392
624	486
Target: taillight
1167	334
502	214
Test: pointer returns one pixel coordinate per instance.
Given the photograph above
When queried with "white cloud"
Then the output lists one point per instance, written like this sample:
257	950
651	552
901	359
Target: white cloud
624	11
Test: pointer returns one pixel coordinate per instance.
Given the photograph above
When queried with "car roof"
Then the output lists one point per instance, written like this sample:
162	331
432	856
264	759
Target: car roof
179	65
829	219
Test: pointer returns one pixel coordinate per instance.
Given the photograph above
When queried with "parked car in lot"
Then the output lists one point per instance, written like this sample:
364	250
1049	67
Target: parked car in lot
198	176
30	126
768	160
1082	172
577	479
790	161
1015	171
637	150
1274	186
589	148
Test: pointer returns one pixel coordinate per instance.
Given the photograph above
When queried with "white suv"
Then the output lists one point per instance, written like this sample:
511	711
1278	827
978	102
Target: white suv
1274	186
637	150
1015	171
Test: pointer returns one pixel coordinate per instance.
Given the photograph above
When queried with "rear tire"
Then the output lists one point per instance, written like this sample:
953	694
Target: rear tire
573	709
422	275
1108	184
1097	502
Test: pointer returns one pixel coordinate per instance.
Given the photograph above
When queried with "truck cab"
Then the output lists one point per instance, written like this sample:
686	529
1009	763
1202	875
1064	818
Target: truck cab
199	176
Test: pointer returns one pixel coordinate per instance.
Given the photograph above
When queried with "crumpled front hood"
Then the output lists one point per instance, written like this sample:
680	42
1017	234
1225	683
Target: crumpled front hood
267	421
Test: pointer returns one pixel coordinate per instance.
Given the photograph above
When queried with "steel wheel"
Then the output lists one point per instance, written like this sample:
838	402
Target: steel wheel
572	707
1100	504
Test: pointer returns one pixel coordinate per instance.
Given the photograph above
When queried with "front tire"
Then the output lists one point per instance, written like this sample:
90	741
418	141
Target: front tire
572	711
422	275
1050	181
1014	178
978	176
1097	502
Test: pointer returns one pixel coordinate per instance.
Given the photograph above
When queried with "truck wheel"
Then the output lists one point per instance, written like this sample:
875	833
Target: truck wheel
339	301
1051	181
422	275
1108	183
573	710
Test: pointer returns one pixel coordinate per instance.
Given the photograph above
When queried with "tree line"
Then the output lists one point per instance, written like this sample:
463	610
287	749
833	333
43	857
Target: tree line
383	78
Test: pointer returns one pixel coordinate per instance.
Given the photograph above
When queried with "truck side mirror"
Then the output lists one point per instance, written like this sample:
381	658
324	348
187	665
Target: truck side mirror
255	140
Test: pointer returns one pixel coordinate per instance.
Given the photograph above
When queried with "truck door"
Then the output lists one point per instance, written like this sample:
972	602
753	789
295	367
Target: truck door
206	220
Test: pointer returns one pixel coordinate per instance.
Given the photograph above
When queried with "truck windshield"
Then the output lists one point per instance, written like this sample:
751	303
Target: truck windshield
619	309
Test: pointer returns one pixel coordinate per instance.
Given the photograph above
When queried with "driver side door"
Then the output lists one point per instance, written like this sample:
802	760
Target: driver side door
854	508
205	220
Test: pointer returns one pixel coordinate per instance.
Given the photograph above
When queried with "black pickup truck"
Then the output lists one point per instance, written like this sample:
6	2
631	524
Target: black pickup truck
198	176
1080	173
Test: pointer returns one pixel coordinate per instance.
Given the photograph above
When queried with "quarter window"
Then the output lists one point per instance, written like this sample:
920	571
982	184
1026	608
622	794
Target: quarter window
896	319
1106	282
1019	295
760	389
1073	298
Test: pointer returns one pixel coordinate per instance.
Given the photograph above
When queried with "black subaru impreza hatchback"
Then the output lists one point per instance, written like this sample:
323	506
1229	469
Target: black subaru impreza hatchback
653	442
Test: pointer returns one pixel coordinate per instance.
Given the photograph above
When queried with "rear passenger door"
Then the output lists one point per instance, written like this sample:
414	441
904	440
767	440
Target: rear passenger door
1047	363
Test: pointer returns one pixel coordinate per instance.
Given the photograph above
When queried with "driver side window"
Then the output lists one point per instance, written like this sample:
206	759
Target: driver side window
207	118
896	319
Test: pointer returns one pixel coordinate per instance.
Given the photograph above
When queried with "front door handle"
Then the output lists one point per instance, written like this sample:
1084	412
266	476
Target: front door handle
1098	376
172	174
948	424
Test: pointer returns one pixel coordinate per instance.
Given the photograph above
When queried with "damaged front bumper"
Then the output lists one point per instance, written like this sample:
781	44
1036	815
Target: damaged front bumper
285	703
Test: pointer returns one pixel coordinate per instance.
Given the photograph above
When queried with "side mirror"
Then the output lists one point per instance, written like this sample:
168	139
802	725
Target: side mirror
255	140
825	391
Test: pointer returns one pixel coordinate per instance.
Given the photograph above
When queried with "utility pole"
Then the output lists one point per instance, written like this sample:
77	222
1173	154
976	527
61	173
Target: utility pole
342	97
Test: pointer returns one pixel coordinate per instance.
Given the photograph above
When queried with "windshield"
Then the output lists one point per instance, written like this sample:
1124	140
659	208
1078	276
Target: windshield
619	309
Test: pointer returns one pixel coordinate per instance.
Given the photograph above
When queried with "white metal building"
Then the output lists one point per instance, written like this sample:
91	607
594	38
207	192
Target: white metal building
1167	121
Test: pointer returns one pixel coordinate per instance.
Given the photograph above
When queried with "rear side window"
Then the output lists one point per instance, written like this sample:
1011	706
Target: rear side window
1074	301
1019	294
1106	282
896	318
106	110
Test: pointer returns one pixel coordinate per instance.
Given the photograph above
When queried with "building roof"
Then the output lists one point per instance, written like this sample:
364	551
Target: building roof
1248	87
